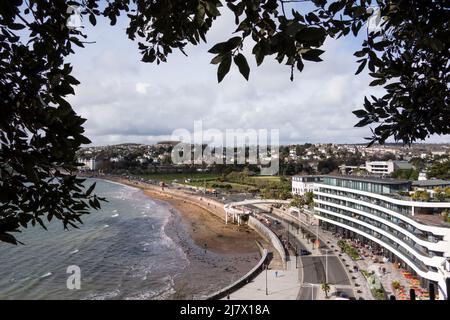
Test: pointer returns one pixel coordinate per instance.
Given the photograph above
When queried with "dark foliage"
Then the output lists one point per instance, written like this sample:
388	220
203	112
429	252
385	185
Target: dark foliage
40	132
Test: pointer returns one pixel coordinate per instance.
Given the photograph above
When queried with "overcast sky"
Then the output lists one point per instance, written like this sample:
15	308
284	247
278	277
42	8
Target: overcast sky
126	100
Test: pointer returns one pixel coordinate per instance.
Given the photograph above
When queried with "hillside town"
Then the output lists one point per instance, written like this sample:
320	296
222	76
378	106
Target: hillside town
416	162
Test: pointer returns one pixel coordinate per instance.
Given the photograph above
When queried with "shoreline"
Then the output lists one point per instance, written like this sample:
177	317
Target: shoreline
202	222
231	250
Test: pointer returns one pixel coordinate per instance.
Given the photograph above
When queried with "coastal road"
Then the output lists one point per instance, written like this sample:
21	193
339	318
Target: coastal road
314	272
312	267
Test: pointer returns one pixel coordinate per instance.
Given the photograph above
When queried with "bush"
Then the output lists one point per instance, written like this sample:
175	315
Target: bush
446	215
396	284
378	294
366	273
345	247
423	196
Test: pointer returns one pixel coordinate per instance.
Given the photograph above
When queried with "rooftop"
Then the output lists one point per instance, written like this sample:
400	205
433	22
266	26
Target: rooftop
431	183
372	179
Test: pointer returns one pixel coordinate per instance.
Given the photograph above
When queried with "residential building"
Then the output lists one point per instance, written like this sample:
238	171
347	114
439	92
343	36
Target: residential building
90	164
422	176
303	184
378	213
386	167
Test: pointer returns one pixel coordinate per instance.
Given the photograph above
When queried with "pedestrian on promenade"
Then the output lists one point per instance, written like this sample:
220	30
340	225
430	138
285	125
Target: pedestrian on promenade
276	274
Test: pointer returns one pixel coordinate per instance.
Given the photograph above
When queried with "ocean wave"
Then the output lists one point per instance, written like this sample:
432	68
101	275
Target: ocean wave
169	242
48	274
161	293
102	296
74	251
125	186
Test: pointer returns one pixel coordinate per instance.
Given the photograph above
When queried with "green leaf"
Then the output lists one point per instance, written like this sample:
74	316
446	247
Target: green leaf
379	46
200	15
92	19
392	86
360	54
300	65
377	82
224	67
364	122
361	67
310	34
312	55
242	64
259	54
360	113
337	6
91	188
217	59
16	26
232	43
211	8
6	237
218	48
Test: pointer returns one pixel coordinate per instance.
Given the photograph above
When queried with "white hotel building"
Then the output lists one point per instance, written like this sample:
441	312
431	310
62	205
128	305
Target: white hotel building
412	233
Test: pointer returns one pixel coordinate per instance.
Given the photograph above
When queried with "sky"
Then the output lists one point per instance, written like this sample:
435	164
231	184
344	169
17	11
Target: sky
125	100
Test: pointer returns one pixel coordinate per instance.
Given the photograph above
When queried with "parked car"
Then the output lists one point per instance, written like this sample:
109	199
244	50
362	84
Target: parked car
304	252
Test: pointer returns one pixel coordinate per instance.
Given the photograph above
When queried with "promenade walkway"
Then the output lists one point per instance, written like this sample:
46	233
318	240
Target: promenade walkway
281	285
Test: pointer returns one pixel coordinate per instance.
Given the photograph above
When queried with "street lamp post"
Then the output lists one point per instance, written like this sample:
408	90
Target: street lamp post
267	292
317	236
326	265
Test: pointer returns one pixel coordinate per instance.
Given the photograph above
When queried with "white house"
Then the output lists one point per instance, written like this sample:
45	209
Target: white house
90	164
386	167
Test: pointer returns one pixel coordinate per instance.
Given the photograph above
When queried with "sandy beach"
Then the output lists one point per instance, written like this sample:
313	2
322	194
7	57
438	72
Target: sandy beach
218	254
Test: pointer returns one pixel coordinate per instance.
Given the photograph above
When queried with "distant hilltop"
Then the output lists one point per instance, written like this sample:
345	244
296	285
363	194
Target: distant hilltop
167	143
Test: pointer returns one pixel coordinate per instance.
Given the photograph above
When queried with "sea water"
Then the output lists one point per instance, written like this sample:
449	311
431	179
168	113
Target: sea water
122	252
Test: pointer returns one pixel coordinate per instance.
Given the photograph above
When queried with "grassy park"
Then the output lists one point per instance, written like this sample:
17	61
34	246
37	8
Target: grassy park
267	186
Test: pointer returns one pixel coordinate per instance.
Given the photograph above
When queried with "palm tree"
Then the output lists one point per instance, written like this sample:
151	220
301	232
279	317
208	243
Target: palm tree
326	288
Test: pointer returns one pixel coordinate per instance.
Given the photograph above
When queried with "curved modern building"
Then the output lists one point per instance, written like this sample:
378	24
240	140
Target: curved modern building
377	212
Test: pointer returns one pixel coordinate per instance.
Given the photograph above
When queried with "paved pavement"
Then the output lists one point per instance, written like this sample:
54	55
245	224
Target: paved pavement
304	275
344	277
281	285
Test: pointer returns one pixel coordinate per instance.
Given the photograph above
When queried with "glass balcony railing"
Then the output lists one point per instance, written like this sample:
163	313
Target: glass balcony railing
421	234
418	263
421	250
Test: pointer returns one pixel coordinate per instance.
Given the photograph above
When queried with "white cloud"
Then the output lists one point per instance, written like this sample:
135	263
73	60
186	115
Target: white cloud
126	100
141	87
